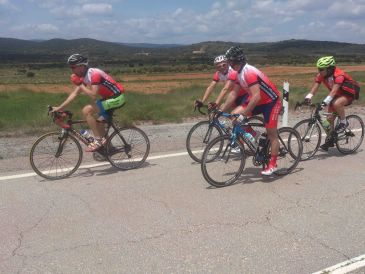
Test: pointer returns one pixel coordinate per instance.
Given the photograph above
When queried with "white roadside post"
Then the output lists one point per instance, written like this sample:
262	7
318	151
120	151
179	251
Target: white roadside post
285	104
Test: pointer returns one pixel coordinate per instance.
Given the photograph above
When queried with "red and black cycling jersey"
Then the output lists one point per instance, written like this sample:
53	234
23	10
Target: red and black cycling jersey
108	87
338	77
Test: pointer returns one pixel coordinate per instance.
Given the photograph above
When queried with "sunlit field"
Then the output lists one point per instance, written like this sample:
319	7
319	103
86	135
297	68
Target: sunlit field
156	98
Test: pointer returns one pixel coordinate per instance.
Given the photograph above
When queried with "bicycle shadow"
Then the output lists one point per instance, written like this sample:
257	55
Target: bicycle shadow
97	171
332	152
253	175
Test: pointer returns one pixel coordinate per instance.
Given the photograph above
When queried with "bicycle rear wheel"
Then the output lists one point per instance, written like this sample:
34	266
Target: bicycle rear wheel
128	148
198	138
54	156
350	140
221	164
290	150
311	135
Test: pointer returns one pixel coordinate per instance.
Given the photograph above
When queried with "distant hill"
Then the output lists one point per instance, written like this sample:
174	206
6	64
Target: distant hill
151	46
56	51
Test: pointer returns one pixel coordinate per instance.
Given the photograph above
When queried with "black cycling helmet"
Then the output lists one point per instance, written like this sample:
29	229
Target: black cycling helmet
236	55
77	60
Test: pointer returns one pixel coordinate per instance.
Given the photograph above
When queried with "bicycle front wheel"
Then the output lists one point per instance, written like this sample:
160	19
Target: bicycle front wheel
221	163
351	139
290	150
54	156
198	138
311	135
128	148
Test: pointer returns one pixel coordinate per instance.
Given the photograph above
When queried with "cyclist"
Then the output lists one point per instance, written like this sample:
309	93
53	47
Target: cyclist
223	74
263	98
343	89
104	91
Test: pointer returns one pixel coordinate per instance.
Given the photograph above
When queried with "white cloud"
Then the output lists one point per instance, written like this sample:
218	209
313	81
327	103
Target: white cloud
228	20
36	28
100	8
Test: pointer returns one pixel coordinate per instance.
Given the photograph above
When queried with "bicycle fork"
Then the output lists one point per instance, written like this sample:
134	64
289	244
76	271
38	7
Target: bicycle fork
308	134
62	140
127	147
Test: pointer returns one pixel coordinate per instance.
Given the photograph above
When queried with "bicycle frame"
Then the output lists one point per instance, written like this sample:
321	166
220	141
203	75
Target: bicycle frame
316	118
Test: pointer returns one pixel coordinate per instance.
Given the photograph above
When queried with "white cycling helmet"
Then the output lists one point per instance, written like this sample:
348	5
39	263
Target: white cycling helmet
77	60
220	59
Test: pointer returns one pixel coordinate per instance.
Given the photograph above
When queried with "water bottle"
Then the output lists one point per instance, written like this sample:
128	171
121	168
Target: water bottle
249	137
325	124
86	134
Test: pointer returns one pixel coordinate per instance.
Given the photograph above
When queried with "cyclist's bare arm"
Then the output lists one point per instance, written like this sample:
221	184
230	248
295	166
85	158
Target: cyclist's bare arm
209	90
233	94
92	92
254	100
334	90
314	88
228	86
69	99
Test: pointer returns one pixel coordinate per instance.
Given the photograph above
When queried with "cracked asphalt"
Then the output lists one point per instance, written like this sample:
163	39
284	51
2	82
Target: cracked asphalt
164	218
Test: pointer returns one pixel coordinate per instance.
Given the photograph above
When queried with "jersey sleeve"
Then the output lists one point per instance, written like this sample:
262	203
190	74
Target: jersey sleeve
216	77
232	75
251	78
339	79
95	78
318	79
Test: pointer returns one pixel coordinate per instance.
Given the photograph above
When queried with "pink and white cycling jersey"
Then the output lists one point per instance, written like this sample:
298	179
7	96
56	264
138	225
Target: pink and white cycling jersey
220	77
249	76
108	87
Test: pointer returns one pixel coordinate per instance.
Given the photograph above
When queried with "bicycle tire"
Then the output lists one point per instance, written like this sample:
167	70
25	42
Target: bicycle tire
45	162
198	138
311	136
290	150
352	138
130	156
223	168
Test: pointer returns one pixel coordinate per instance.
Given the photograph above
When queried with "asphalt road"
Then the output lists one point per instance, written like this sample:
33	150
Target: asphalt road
164	218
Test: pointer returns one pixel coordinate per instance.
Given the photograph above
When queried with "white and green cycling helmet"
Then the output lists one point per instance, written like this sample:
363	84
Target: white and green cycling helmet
326	62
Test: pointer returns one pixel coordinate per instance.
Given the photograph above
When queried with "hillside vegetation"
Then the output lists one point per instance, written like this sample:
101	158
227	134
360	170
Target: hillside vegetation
54	52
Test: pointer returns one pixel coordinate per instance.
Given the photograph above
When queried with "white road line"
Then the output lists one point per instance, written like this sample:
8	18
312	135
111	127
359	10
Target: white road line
25	175
345	267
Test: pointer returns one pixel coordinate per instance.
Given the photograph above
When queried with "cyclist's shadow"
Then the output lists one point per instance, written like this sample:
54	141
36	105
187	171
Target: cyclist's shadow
332	153
253	175
106	171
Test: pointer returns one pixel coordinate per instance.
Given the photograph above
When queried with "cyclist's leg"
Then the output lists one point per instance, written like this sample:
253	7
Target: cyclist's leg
339	106
89	111
271	115
104	107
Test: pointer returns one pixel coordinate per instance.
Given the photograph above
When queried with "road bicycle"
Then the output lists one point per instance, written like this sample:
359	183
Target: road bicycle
310	130
222	166
218	124
58	154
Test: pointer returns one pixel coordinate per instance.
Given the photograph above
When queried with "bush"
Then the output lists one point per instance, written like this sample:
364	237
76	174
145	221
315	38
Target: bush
30	74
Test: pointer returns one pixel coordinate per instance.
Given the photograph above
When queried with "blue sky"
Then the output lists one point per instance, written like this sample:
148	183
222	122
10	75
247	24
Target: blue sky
184	21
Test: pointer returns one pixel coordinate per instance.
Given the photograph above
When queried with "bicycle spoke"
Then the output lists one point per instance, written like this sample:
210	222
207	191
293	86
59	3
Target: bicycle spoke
45	162
128	148
351	139
220	165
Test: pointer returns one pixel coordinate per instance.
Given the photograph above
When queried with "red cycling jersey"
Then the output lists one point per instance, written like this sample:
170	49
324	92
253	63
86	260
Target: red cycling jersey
338	77
249	76
108	87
